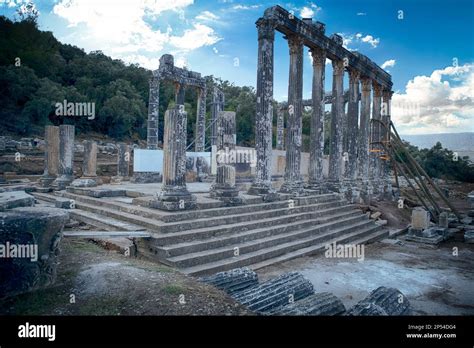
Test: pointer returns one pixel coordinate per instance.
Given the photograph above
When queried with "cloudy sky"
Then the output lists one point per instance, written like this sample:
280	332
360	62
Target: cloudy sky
427	46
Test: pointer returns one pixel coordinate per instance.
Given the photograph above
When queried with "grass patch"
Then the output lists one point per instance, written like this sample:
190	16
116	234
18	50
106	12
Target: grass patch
174	289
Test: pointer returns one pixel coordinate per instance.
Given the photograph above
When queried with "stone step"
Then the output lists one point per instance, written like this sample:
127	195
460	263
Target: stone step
366	232
315	234
246	236
162	227
106	234
103	222
377	233
200	214
209	232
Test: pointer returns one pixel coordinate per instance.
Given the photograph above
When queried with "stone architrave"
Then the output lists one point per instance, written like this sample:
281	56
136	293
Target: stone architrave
293	181
224	187
264	111
66	157
51	156
174	194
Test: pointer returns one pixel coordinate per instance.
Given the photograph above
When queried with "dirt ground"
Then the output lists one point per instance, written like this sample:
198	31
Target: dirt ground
94	281
435	281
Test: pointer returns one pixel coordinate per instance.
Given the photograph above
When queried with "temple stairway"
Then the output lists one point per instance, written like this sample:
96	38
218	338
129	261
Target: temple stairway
216	238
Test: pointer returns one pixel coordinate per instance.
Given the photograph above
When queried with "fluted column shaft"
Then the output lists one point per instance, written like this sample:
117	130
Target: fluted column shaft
153	110
375	133
316	151
337	114
350	172
293	181
201	121
364	129
264	108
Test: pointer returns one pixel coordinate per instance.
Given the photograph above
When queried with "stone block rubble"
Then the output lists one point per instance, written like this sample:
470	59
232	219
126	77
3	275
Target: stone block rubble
382	301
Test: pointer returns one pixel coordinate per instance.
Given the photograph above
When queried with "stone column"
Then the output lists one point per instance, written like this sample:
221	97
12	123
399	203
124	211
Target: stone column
386	110
200	141
280	137
375	149
66	157
89	166
350	172
51	155
179	95
363	141
264	110
337	114
153	109
217	106
174	195
316	151
224	186
123	161
293	181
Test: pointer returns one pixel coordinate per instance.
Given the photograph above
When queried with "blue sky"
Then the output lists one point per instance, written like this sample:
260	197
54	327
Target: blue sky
429	52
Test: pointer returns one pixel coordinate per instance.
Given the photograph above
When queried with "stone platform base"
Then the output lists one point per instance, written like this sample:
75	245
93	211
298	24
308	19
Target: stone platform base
146	177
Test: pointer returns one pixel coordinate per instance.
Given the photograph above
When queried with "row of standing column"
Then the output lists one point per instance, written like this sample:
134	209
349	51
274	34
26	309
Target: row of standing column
362	160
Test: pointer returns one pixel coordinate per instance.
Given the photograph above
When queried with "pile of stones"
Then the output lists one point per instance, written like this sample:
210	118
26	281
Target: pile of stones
292	294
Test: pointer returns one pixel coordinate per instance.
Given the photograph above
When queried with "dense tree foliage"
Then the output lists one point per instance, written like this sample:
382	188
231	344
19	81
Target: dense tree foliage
37	71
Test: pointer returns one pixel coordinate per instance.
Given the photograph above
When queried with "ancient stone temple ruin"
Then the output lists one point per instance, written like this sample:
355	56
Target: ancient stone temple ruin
355	143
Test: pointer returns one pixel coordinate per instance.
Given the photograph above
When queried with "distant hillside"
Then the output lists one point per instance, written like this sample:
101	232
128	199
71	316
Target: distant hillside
452	141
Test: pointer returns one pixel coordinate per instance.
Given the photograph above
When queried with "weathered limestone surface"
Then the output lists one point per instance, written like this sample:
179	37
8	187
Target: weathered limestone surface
123	161
264	109
352	126
363	142
66	156
420	219
153	109
316	151
293	182
232	281
30	226
217	106
337	114
275	293
201	121
224	187
382	301
280	136
51	155
89	166
174	195
14	199
323	303
375	137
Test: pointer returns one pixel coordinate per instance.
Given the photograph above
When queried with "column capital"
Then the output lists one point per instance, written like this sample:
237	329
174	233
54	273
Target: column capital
338	67
266	29
354	76
318	55
377	89
295	43
387	95
366	84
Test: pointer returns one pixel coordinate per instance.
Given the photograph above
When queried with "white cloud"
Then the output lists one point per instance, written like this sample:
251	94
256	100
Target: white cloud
389	63
122	29
306	12
361	14
245	7
441	102
207	16
371	40
350	39
216	51
200	35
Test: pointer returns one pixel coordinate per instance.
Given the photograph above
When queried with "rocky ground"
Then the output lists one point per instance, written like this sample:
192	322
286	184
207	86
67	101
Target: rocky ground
94	281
